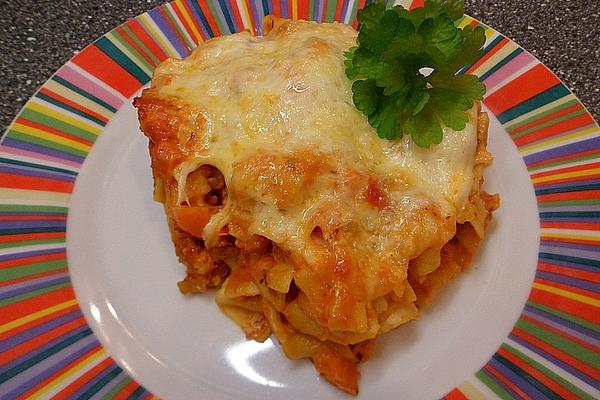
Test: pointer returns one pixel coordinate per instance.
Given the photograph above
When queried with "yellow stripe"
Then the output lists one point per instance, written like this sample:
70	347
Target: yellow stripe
589	238
144	18
569	295
515	123
187	18
508	48
471	392
41	134
39	196
77	98
132	57
63	117
68	373
575	136
294	9
245	13
564	175
32	317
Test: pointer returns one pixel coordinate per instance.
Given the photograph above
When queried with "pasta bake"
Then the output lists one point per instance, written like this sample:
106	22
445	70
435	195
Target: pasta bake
279	194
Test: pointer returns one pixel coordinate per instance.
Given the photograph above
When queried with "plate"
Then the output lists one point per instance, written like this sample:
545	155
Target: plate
89	305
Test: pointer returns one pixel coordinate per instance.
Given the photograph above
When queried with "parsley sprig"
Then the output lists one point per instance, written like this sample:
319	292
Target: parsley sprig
393	48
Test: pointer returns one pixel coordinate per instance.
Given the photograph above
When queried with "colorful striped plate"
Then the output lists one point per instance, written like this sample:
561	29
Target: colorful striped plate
540	263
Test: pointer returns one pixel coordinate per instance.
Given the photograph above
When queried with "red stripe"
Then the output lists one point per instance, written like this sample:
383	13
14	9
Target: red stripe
566	157
40	340
30	306
547	118
73	104
573	179
417	4
168	19
338	10
138	30
456	394
276	8
127	391
572	272
539	376
189	11
303	9
236	14
290	9
489	54
140	50
77	384
571	225
32	259
568	288
566	126
578	309
37	322
209	18
33	276
506	382
570	240
53	131
33	218
94	61
561	355
566	169
361	5
186	25
530	84
12	181
583	195
564	335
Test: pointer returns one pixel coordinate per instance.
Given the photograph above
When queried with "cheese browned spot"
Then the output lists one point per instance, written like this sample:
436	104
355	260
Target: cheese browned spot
279	192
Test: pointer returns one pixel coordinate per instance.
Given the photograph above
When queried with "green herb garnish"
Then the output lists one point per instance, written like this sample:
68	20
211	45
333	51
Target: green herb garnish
393	46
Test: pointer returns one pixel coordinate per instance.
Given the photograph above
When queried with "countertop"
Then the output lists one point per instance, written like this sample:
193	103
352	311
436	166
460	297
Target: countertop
38	36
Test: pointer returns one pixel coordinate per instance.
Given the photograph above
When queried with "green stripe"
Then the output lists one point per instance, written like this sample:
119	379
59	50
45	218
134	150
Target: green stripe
493	385
580	394
70	109
30	230
311	10
571	214
22	271
574	349
132	49
140	44
217	19
33	293
558	91
137	393
545	390
33	209
23	137
563	162
83	93
38	166
570	259
354	11
100	384
575	202
22	243
551	122
109	48
567	317
178	27
43	355
112	393
57	124
330	11
515	125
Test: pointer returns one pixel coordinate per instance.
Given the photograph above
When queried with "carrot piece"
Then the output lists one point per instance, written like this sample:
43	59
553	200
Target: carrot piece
340	371
192	219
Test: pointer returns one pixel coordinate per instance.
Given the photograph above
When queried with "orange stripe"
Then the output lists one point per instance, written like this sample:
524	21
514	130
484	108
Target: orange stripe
565	335
303	9
417	4
569	179
569	240
94	61
455	394
526	86
575	273
521	394
34	183
148	41
29	306
571	225
33	276
570	124
539	376
584	194
127	391
31	236
489	55
40	340
277	8
141	51
566	169
569	306
546	118
37	322
77	384
183	21
53	131
568	288
32	259
561	355
70	103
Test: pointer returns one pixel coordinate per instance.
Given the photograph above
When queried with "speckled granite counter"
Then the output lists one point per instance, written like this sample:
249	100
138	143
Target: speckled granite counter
38	36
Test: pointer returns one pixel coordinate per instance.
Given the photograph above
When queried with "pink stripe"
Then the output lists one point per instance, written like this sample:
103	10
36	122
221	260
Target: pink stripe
38	156
79	80
507	70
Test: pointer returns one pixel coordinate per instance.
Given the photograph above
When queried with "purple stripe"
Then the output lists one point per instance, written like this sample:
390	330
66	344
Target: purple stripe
16	256
562	328
164	26
590	381
515	379
572	252
28	283
270	3
17	144
580	246
541	314
33	224
33	213
500	383
571	184
569	219
344	10
37	172
110	385
31	333
317	15
284	8
35	286
69	74
41	371
197	19
257	13
567	264
94	380
578	207
572	148
578	283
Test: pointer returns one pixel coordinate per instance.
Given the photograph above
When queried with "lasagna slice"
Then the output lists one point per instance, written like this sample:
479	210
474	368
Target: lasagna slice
280	195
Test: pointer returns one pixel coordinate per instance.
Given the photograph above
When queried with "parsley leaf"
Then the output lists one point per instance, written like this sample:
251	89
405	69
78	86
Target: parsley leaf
393	47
